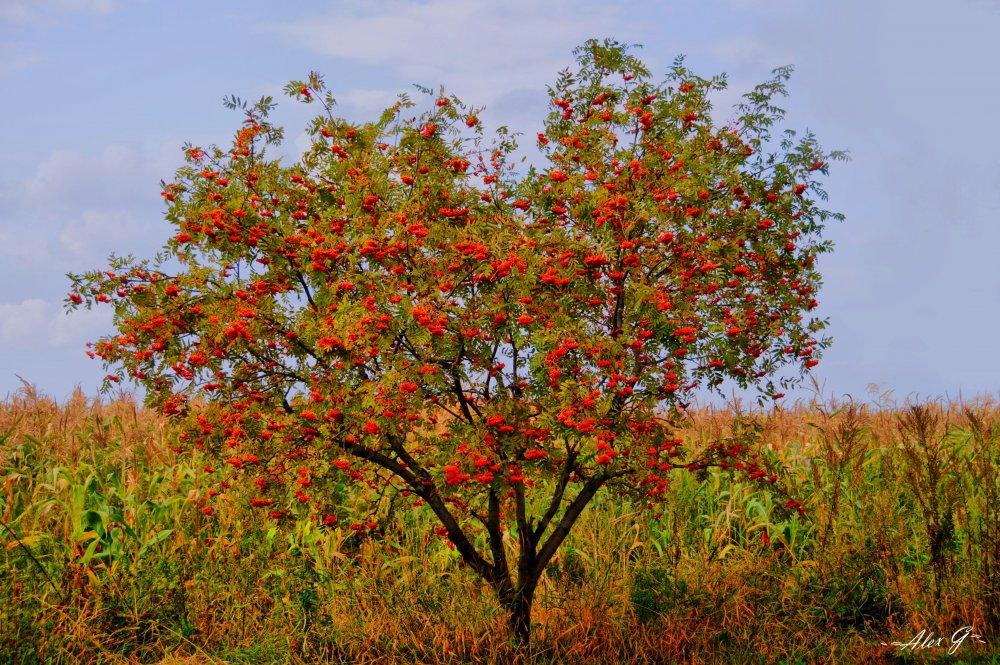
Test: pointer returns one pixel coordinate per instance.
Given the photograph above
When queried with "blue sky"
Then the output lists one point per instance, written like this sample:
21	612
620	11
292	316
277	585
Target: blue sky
100	94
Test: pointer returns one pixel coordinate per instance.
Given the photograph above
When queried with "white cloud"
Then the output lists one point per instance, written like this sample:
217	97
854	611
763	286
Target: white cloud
368	101
503	55
73	210
742	48
14	11
479	50
20	324
79	202
78	327
68	180
20	11
11	61
94	230
758	5
33	323
20	247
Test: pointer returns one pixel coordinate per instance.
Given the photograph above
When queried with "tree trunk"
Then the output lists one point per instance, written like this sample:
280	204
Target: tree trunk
519	608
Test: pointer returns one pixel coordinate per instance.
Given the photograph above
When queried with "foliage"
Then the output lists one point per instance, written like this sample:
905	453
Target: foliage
403	309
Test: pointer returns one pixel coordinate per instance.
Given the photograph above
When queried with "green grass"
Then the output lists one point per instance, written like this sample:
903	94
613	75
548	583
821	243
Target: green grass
108	558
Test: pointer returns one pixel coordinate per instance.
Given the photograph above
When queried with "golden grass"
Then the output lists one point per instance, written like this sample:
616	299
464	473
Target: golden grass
902	533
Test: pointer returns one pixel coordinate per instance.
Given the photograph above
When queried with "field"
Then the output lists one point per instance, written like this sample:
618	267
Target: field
107	557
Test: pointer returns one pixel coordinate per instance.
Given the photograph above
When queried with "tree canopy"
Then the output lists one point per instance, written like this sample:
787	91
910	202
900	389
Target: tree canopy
407	308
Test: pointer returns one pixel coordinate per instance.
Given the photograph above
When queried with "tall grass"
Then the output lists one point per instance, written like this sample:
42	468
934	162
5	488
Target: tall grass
107	557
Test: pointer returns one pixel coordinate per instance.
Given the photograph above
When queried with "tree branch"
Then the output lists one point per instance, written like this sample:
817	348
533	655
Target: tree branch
493	528
557	495
526	539
569	518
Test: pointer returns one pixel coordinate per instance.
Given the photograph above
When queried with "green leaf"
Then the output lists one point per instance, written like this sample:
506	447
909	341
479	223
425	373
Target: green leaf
154	540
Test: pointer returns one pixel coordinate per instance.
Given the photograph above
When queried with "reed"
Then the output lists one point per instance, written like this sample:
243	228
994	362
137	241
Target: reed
107	557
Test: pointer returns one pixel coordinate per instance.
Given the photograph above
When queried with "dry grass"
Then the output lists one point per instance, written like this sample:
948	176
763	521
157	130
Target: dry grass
901	534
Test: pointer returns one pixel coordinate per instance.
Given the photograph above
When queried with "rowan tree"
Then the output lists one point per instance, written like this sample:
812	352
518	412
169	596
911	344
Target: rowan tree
405	309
